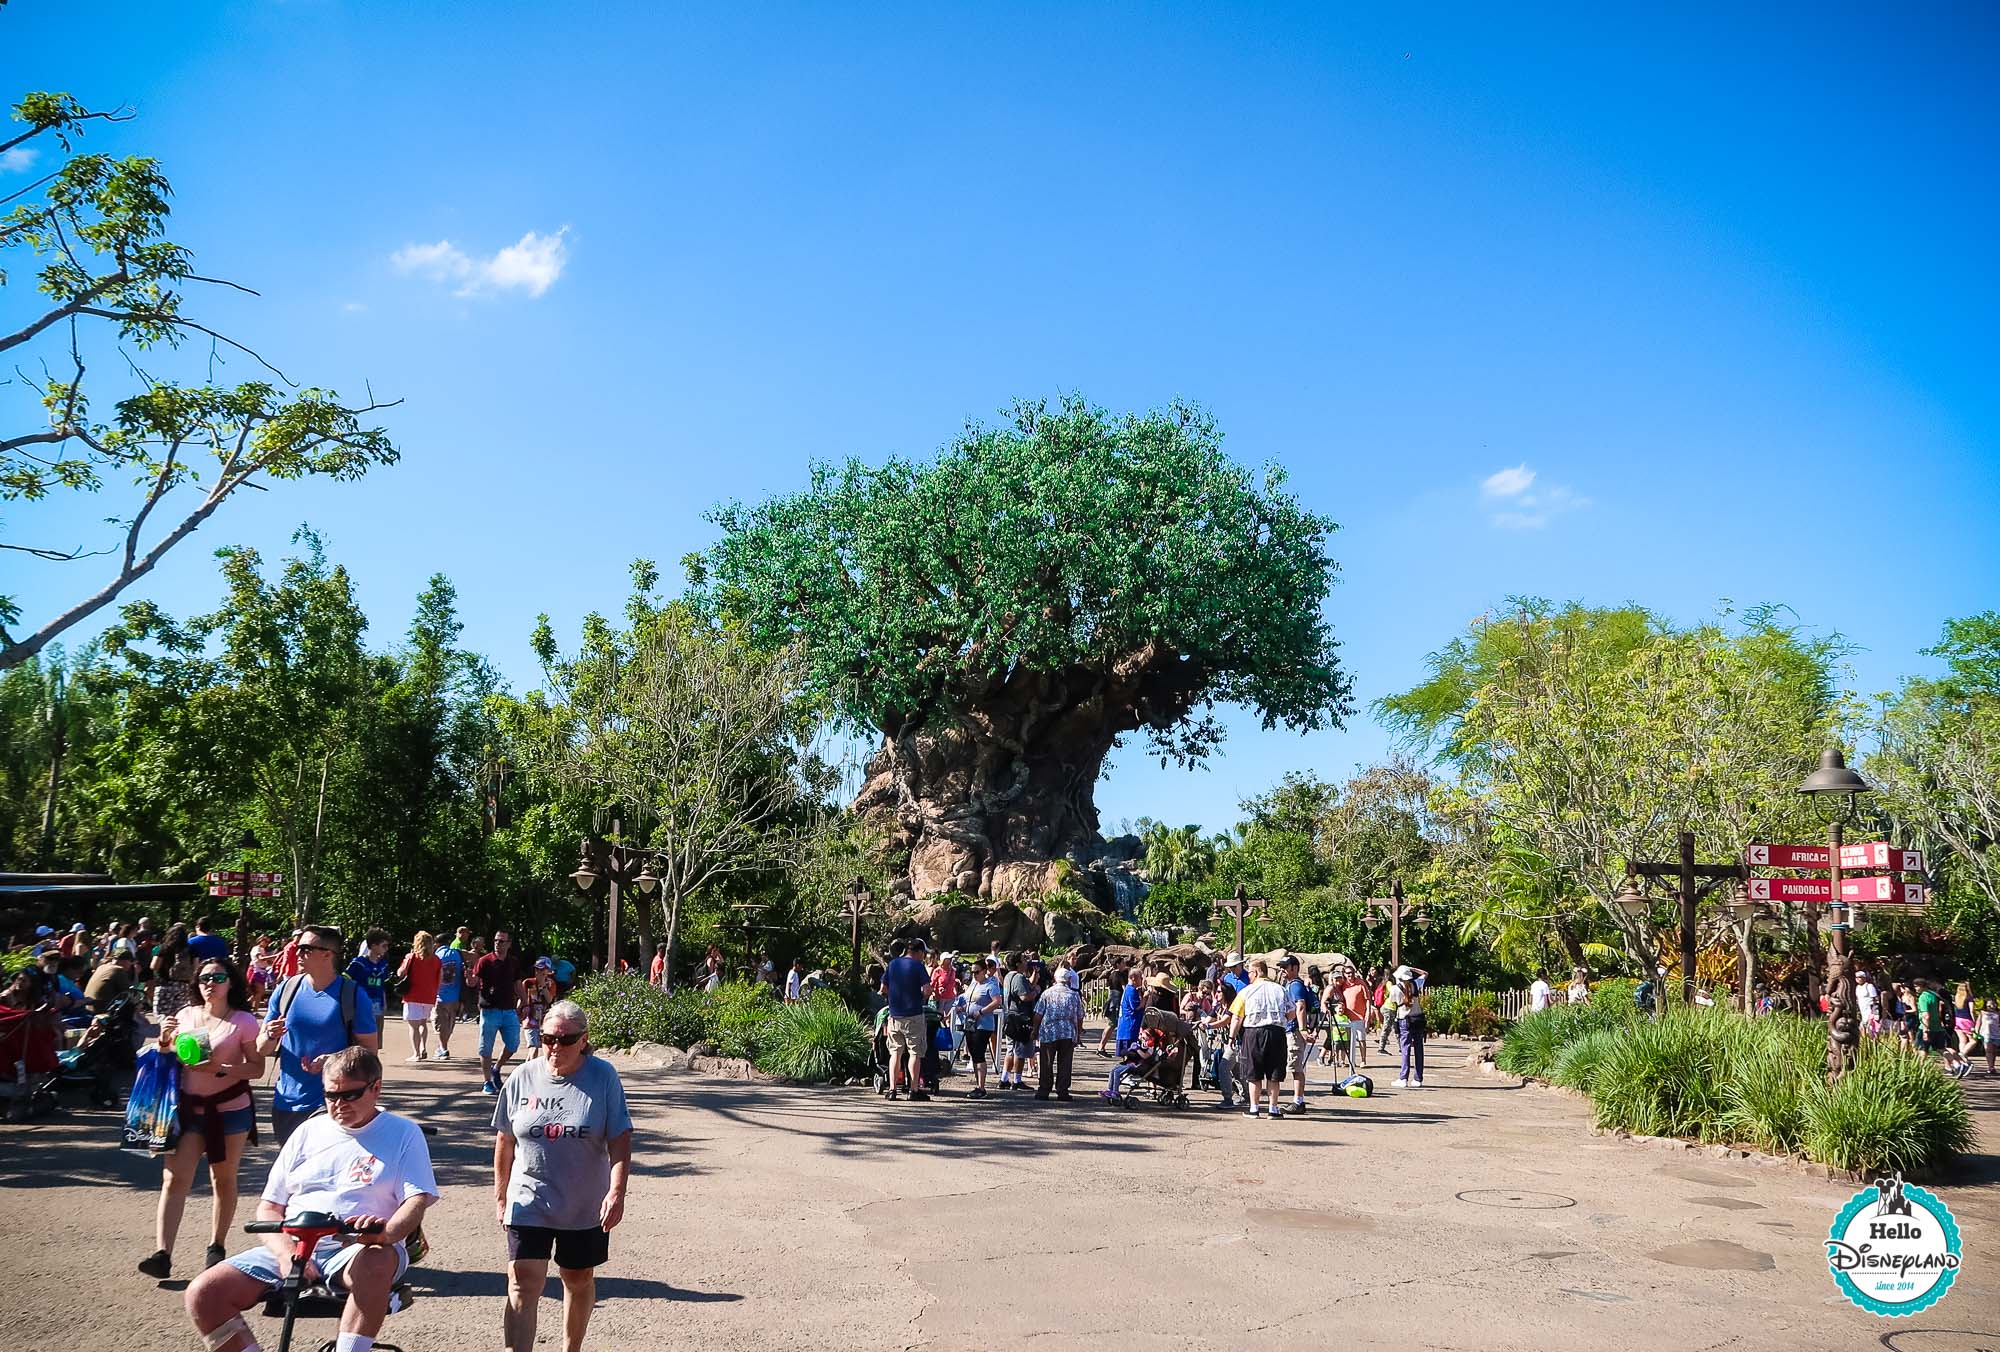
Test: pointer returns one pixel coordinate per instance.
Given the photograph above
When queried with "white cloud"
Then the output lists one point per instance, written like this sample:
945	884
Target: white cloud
1507	483
1514	503
354	307
19	159
532	264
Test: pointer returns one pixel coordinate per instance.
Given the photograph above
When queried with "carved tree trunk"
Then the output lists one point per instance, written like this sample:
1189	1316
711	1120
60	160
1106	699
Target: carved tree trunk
987	793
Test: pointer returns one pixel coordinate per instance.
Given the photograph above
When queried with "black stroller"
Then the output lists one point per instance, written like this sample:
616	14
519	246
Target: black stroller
1164	1079
930	1069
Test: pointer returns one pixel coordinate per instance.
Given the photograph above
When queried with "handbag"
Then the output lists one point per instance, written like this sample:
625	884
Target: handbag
152	1113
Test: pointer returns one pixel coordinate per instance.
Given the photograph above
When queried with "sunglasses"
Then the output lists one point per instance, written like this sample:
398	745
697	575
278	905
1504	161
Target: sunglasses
561	1039
314	948
349	1095
213	978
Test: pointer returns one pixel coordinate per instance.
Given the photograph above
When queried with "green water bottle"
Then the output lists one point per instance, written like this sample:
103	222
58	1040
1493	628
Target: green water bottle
191	1048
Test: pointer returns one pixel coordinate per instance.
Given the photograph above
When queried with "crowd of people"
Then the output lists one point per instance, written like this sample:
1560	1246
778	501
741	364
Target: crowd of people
315	1012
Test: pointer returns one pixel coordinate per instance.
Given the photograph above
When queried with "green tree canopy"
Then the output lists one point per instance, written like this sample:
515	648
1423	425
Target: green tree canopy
1003	613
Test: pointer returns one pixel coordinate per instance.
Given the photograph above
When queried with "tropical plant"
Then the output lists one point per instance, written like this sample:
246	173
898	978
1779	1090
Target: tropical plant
817	1040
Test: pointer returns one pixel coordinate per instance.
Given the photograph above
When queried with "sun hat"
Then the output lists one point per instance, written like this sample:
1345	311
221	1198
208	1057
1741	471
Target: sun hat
1403	974
1233	960
1160	981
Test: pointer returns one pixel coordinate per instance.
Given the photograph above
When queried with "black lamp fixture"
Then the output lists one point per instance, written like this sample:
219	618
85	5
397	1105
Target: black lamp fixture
1833	788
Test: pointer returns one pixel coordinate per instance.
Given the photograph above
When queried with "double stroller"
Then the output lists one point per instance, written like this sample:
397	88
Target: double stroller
1161	1074
931	1069
94	1064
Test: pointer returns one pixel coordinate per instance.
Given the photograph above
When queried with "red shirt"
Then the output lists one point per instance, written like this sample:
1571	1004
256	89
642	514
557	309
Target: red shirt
288	959
422	974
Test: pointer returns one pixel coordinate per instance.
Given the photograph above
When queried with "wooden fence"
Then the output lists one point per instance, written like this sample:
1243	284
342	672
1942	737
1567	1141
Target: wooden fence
1511	1004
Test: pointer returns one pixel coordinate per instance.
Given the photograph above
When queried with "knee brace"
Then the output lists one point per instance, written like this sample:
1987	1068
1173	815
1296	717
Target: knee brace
226	1330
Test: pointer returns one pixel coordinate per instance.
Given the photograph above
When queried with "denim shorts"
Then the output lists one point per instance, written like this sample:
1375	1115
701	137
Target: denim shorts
330	1253
503	1023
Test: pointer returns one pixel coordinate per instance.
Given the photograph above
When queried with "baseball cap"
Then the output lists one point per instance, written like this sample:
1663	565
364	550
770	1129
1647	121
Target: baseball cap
43	931
544	965
1289	960
77	928
919	945
122	948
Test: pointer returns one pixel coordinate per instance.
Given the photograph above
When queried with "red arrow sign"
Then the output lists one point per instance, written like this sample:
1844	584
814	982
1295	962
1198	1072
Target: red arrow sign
237	875
1881	854
1761	855
1866	890
238	890
1791	889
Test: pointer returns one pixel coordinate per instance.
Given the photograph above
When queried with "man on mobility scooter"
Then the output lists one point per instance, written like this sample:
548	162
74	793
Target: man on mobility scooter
361	1168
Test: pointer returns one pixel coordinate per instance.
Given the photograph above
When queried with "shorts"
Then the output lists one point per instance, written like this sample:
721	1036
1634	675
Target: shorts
1295	1053
907	1033
1264	1052
977	1042
1962	1025
444	1017
1020	1049
575	1250
503	1023
235	1121
330	1253
286	1121
416	1012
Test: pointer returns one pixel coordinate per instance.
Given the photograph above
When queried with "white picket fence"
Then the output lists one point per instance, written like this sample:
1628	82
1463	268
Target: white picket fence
1511	1004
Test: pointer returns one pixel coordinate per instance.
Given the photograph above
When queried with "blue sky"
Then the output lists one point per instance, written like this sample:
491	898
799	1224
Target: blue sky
1724	286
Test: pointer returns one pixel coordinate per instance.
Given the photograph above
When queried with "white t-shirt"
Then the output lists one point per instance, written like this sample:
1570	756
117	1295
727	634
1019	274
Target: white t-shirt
1866	997
1539	995
1263	1004
791	985
370	1172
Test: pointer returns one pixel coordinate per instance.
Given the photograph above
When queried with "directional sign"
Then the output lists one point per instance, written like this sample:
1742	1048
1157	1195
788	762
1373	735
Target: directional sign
1760	855
237	875
238	890
1866	890
1881	854
1790	889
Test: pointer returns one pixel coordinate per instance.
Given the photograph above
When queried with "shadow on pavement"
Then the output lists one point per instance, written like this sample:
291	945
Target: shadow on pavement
493	1285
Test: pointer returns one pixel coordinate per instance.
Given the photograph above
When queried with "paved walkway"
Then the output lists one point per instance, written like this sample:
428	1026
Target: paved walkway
1469	1214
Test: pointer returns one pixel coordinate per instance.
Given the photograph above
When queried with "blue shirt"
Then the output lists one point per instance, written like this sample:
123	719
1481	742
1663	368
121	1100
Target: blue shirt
1295	991
203	947
1131	1011
1237	983
985	991
905	983
451	974
370	974
312	1028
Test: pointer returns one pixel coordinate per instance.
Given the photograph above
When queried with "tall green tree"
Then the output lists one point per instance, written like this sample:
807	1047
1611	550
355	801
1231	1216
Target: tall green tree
1003	615
91	234
705	742
1594	737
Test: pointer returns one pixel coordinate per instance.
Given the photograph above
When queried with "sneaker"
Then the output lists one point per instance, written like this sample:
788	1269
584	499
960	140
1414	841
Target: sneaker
1041	1095
1298	1105
413	1059
1399	1084
1063	1097
977	1093
1276	1112
216	1253
1226	1106
1107	1096
919	1096
486	1087
1249	1112
1416	1084
158	1264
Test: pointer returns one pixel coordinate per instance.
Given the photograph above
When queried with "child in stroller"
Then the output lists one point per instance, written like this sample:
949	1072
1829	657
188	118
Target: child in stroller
1155	1063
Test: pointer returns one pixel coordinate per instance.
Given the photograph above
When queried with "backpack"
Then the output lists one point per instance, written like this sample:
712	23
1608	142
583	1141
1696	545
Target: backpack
1313	1019
1356	1086
282	1001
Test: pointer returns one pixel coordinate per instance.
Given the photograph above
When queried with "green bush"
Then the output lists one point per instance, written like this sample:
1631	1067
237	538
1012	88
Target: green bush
1575	1065
1895	1110
819	1040
737	1014
624	1008
1713	1075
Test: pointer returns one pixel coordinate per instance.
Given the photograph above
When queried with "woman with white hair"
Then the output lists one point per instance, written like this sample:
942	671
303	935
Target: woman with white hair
562	1152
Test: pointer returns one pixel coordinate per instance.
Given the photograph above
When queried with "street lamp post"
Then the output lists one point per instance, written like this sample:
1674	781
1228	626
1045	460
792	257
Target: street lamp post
606	867
1239	906
244	847
1395	906
1834	790
856	906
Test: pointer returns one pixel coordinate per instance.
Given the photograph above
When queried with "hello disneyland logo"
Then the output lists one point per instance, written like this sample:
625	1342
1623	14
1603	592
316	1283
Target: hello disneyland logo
1894	1249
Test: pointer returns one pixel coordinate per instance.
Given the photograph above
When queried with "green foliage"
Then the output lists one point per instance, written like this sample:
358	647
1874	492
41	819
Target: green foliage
1894	1110
1071	539
815	1041
624	1009
738	1015
1460	1012
1712	1075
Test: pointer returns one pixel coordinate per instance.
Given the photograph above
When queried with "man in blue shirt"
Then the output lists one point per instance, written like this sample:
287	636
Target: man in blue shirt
1232	977
451	991
309	1020
1298	1026
904	984
370	968
1131	1007
206	947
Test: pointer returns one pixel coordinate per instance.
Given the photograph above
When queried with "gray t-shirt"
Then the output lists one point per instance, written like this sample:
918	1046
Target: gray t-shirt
562	1132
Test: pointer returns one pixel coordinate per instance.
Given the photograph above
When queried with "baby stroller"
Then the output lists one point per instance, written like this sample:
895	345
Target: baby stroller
928	1070
105	1053
1163	1078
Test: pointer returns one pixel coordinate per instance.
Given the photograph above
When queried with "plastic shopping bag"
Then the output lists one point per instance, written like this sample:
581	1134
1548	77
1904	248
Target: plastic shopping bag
152	1113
